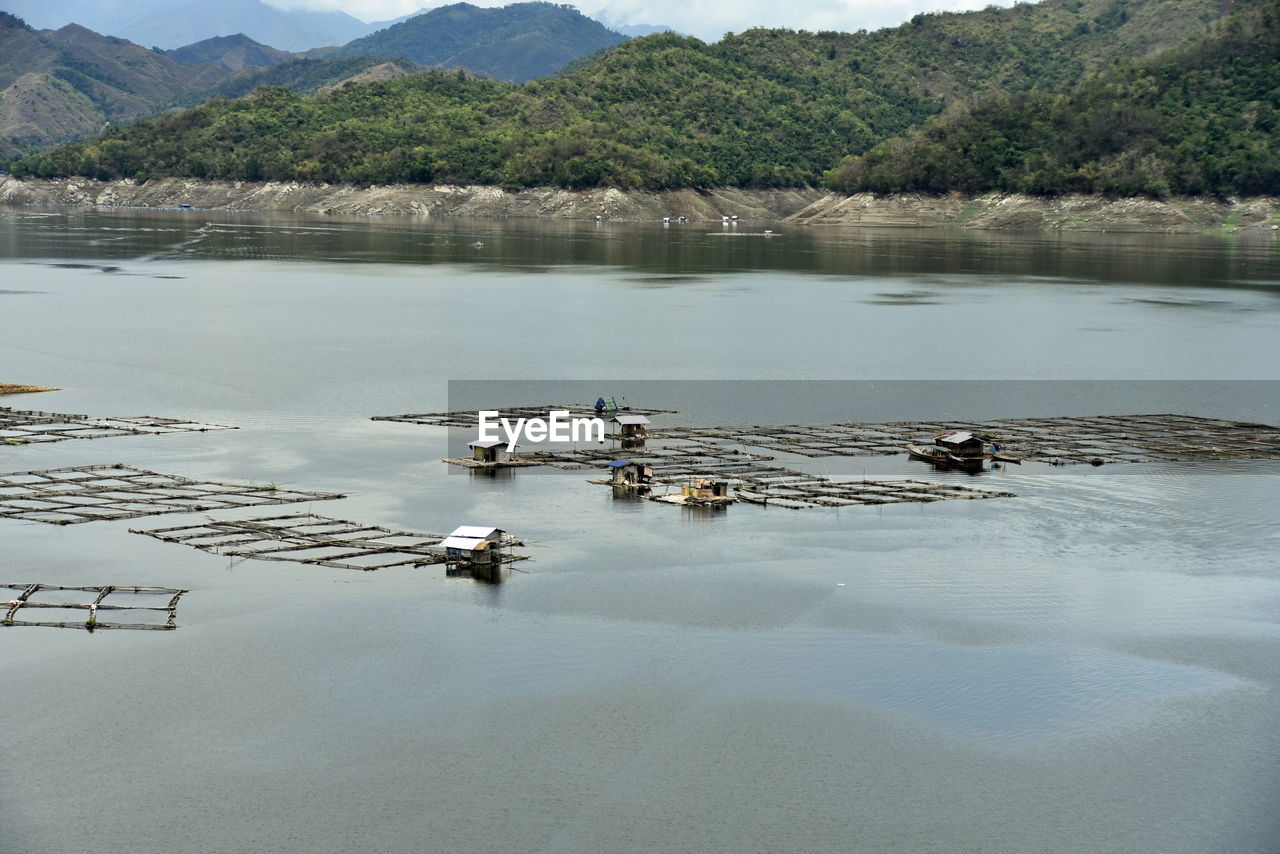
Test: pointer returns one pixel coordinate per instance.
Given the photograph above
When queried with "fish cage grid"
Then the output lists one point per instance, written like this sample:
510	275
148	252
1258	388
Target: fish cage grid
1059	440
31	427
808	491
68	496
316	540
469	419
757	482
671	460
94	603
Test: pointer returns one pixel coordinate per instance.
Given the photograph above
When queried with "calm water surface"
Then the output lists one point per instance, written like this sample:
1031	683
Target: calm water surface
1092	666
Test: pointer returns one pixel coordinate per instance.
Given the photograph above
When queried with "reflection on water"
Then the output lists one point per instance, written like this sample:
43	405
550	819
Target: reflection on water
948	259
1088	666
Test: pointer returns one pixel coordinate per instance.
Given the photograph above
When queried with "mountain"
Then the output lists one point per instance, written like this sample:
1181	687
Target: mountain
65	84
517	42
383	71
635	31
231	53
1200	119
631	31
306	76
763	108
173	23
374	26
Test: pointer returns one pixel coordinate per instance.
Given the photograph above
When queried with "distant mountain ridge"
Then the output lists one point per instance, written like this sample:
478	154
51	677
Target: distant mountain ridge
66	84
173	23
517	42
231	53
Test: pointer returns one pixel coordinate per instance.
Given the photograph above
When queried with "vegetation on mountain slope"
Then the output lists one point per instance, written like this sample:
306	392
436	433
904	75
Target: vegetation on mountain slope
764	108
1200	119
302	76
63	84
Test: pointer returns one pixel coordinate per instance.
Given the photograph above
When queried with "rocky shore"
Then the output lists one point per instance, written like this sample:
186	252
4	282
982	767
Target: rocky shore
1007	211
411	200
799	206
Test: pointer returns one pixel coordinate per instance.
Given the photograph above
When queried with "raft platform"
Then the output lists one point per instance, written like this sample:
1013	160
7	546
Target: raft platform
1094	440
472	463
756	480
50	600
29	427
69	496
319	541
468	419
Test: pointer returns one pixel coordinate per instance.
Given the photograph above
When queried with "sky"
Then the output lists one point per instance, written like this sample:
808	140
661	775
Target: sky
706	19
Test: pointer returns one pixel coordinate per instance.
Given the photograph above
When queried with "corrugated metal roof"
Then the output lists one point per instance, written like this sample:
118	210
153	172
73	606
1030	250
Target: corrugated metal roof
485	443
465	543
617	464
476	532
631	419
958	436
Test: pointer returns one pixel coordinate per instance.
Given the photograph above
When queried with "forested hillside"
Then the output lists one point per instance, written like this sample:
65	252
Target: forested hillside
1200	119
764	108
303	76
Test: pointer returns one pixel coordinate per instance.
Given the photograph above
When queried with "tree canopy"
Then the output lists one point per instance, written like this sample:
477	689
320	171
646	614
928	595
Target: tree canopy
1200	119
771	108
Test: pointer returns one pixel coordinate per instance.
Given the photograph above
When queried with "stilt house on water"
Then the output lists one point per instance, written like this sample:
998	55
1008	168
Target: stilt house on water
473	544
491	451
961	443
704	489
631	426
627	473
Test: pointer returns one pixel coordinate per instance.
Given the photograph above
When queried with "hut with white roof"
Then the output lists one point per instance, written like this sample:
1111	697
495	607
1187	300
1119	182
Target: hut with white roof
631	426
491	451
961	443
473	544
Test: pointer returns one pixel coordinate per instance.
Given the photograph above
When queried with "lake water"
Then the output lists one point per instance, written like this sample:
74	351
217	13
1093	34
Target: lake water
1092	666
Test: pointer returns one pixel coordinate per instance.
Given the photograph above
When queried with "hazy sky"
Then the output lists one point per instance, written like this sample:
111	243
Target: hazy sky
706	19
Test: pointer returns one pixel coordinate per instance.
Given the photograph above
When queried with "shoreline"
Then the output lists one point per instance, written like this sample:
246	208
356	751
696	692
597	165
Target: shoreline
797	206
1073	212
411	200
11	388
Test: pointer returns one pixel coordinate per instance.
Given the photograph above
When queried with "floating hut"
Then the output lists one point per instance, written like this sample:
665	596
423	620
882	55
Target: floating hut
631	426
490	456
473	544
704	489
961	443
492	451
627	473
702	492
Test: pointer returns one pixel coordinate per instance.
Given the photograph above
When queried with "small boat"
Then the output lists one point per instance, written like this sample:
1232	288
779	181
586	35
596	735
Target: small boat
939	456
1002	457
943	457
